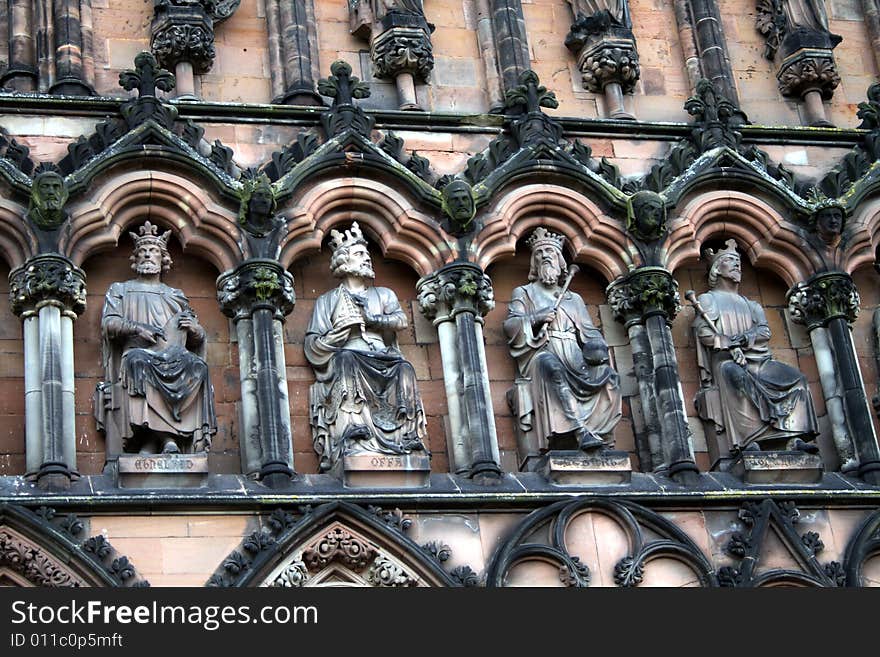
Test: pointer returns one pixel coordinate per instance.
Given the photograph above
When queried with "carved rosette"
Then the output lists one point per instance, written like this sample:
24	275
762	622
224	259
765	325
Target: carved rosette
453	289
294	576
823	298
183	34
47	279
256	284
808	70
386	573
644	292
611	60
402	50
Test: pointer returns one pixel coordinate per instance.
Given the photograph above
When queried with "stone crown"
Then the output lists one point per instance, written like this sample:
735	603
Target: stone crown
542	236
351	237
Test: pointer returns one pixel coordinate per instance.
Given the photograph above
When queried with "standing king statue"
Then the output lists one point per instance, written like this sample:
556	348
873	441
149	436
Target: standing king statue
365	398
567	395
157	396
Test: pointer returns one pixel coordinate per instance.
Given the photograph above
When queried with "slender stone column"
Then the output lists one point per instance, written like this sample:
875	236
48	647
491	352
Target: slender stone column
21	73
646	300
69	73
292	25
48	292
456	298
827	304
871	9
712	48
486	41
511	42
258	294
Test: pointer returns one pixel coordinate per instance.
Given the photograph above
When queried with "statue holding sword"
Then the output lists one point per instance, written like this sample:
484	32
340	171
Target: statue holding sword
757	402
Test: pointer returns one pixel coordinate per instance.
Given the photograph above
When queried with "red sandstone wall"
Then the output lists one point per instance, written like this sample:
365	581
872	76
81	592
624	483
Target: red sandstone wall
241	69
11	384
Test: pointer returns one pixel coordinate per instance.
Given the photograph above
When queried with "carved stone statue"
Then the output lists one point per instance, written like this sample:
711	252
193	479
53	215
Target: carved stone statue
567	394
157	396
806	14
646	216
757	402
459	206
365	398
828	222
618	10
262	228
48	196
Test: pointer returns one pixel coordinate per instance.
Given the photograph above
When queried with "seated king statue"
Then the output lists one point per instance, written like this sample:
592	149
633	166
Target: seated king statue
365	399
566	395
157	397
756	403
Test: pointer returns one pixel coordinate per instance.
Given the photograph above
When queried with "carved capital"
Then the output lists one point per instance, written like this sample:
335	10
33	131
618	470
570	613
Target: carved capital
609	60
824	297
643	292
48	278
456	288
183	34
256	284
808	70
402	50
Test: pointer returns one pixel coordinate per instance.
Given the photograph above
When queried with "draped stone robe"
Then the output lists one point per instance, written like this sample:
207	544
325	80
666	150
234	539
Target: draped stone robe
163	387
767	400
366	397
557	392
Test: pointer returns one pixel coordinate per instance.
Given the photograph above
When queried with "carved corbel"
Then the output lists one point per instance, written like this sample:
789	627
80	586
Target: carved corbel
606	55
798	38
182	37
400	43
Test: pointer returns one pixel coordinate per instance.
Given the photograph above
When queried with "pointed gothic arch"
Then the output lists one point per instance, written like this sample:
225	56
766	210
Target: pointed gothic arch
593	236
170	198
403	231
337	543
766	238
43	548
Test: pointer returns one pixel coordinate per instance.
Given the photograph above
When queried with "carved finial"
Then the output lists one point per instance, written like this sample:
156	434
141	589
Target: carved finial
351	237
530	93
541	236
342	86
146	76
713	113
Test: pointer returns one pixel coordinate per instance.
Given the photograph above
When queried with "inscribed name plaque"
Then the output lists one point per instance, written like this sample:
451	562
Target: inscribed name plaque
386	470
781	467
163	470
575	468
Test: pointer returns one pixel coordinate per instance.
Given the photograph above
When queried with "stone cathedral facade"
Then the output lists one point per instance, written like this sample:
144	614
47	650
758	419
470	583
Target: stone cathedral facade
439	293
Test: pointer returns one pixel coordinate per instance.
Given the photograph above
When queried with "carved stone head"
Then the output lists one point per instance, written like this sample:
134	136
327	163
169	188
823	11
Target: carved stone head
150	250
350	255
48	196
257	209
828	222
724	263
548	262
458	204
646	216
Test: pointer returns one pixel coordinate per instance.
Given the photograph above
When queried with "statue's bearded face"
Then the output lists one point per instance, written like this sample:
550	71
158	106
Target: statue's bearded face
729	267
460	202
50	192
148	259
547	264
358	263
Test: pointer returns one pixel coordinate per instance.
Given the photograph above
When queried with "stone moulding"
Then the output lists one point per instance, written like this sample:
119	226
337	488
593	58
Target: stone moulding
44	548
